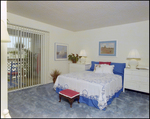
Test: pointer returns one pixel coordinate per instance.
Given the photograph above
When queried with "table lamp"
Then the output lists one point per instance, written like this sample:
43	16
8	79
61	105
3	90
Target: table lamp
133	57
83	56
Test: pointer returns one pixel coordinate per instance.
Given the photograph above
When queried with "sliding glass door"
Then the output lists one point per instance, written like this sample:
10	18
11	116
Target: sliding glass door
24	57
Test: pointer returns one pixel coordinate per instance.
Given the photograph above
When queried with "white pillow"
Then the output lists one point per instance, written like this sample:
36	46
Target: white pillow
105	65
98	70
96	65
99	65
105	69
108	69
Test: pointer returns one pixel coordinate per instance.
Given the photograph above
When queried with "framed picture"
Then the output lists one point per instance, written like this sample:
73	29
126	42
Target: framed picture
61	51
107	48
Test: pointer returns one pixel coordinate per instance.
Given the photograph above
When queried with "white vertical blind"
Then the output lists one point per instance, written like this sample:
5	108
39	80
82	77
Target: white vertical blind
27	49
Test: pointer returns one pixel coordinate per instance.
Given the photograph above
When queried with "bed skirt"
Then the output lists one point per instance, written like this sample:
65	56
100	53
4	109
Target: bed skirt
92	102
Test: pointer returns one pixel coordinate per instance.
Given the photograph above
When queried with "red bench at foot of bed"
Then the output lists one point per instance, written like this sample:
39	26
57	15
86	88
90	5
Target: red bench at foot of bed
70	95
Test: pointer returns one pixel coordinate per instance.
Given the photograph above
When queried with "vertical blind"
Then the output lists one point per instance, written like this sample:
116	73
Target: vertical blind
26	55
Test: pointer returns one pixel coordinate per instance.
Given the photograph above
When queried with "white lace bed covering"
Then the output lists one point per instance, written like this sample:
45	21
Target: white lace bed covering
100	87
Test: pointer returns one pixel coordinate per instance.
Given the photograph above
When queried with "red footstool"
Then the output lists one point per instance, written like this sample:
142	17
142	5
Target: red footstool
70	95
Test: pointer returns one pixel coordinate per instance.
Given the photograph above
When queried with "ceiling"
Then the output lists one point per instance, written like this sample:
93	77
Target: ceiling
81	15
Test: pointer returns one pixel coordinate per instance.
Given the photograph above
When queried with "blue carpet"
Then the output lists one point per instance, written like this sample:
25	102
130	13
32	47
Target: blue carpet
42	101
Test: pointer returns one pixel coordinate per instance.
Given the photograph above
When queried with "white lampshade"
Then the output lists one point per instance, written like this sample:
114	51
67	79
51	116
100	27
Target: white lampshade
82	53
4	34
133	56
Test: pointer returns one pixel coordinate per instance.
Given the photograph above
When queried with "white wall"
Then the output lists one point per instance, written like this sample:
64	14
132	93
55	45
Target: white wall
56	35
128	36
4	92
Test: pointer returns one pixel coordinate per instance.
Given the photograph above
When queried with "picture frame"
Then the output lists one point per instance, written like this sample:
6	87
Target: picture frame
60	51
107	48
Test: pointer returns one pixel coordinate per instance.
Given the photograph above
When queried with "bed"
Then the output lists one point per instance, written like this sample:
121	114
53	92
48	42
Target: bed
96	89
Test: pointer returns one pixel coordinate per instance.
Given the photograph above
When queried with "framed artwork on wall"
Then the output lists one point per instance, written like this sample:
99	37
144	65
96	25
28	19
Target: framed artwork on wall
107	48
61	51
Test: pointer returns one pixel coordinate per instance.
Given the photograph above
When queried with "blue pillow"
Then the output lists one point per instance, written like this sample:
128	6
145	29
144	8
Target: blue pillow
93	65
119	67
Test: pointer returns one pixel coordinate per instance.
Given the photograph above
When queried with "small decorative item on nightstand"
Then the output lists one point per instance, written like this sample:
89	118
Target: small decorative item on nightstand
74	58
133	56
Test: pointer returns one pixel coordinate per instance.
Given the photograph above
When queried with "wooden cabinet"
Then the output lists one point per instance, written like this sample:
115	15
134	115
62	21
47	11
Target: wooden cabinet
136	80
74	67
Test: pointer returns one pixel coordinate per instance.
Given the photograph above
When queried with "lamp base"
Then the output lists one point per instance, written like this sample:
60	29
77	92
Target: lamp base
83	60
133	63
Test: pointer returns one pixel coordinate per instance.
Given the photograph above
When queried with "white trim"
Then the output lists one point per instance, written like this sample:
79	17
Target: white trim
69	96
24	88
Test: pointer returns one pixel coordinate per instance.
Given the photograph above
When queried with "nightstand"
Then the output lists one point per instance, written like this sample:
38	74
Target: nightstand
136	79
74	67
